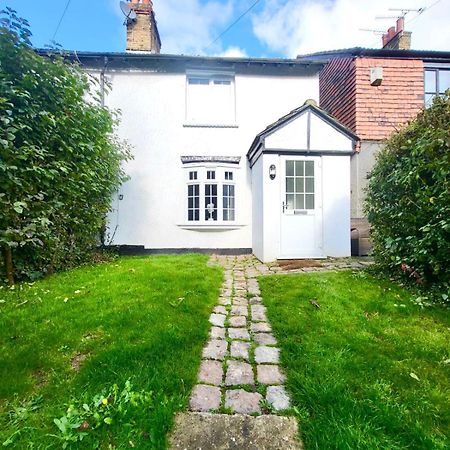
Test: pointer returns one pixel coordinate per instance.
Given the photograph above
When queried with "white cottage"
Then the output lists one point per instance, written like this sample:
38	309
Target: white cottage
215	168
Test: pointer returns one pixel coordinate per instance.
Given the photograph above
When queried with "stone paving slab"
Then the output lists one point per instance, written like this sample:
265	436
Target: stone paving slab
264	354
217	333
240	349
195	431
239	311
239	372
238	321
260	327
243	402
215	349
211	372
239	333
205	398
278	397
218	320
265	339
269	374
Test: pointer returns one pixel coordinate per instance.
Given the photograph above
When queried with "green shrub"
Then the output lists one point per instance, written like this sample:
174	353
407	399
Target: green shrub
59	158
408	199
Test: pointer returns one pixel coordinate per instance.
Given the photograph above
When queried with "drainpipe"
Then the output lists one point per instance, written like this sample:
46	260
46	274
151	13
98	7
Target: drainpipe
102	82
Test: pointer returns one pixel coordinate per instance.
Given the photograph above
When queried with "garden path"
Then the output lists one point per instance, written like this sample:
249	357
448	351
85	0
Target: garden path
240	374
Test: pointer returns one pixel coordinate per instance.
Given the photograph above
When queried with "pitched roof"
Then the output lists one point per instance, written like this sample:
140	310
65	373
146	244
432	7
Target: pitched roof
426	55
308	105
132	60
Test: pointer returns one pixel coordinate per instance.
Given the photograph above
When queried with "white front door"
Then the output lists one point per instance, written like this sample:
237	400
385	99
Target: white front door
301	207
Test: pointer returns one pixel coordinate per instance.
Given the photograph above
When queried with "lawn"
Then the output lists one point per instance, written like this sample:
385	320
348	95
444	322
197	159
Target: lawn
369	369
69	339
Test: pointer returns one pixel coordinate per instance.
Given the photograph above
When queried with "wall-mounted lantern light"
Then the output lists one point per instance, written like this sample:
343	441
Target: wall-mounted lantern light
120	196
272	171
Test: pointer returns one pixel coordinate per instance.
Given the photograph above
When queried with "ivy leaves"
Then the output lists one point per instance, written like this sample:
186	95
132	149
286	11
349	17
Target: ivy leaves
59	159
408	198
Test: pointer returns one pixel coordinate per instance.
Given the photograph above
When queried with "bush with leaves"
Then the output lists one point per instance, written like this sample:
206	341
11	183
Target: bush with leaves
60	161
408	200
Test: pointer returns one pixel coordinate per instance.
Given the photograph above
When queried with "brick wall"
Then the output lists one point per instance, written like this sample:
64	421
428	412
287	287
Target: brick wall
337	90
372	112
142	34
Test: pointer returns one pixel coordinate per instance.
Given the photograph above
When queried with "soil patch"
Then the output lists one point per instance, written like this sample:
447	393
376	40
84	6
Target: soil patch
291	264
77	361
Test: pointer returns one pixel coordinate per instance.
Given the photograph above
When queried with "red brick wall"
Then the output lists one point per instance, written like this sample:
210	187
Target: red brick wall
337	90
372	112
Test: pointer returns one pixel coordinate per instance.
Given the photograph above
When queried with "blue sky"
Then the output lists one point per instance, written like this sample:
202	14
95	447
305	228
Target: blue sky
281	28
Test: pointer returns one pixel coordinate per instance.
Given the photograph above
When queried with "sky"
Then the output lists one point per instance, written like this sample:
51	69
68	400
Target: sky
272	28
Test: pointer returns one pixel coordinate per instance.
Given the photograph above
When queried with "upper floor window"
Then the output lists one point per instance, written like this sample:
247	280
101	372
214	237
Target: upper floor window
437	81
210	99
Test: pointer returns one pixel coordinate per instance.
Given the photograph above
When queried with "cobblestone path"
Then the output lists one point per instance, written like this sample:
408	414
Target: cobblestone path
240	370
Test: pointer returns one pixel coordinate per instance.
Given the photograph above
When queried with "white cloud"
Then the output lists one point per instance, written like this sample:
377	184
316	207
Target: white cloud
234	52
189	26
291	27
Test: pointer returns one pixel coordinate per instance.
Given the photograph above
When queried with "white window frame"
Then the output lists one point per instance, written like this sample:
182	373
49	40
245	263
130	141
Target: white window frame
220	181
211	76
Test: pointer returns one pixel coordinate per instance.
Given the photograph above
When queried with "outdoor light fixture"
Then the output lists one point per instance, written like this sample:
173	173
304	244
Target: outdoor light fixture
272	171
120	196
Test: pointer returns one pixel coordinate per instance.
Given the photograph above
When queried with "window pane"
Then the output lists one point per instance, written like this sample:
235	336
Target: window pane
290	201
309	201
299	201
429	99
299	187
202	81
228	202
444	80
223	82
309	168
210	201
228	175
430	81
289	184
211	175
299	168
193	202
290	168
309	184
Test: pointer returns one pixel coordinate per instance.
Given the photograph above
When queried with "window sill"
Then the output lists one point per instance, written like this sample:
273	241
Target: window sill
210	125
210	227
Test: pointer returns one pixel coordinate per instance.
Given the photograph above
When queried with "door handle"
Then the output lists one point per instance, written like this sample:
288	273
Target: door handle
284	206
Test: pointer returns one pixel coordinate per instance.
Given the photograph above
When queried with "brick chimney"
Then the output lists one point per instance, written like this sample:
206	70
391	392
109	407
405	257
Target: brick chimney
396	37
142	32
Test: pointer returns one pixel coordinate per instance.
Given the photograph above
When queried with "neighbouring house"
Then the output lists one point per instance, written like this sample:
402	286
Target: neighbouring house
374	92
230	154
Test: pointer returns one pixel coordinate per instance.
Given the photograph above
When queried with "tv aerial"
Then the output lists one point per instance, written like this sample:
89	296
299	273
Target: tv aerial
130	15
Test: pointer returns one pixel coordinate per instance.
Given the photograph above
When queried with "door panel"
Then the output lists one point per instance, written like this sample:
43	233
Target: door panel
301	208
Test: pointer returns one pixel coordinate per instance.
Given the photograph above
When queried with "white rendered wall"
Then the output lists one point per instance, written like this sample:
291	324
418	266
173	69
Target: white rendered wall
258	209
336	205
153	114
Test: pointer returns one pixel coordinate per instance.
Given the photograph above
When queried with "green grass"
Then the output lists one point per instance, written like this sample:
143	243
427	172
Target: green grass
142	319
351	364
